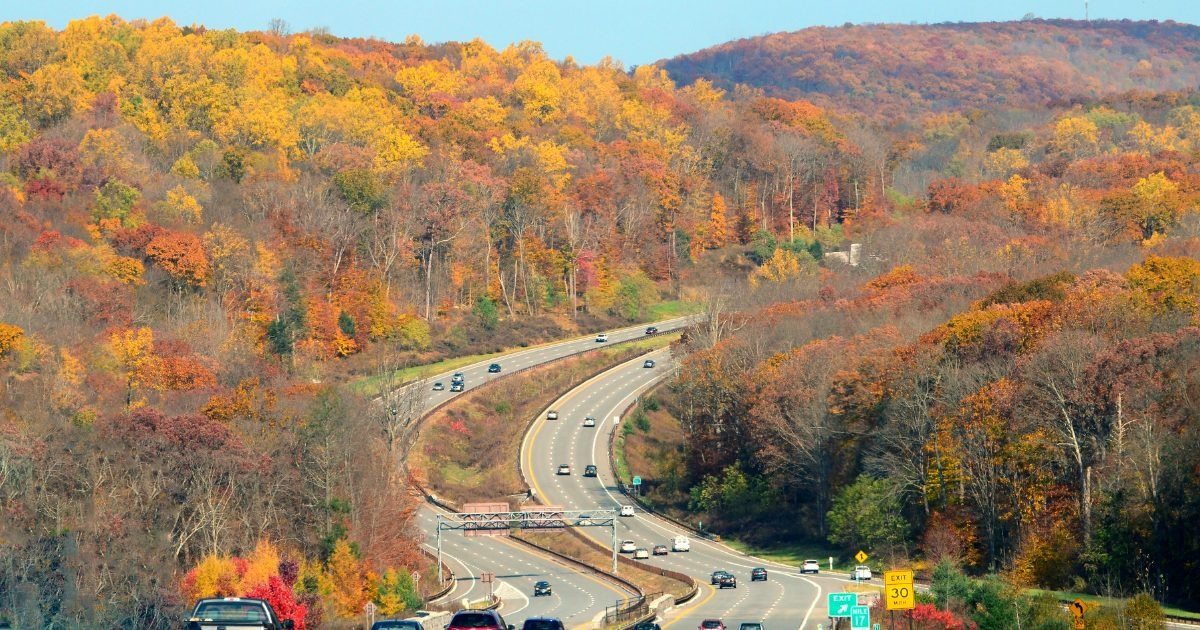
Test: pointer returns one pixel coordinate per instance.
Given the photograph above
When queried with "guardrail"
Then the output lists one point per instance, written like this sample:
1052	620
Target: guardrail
629	609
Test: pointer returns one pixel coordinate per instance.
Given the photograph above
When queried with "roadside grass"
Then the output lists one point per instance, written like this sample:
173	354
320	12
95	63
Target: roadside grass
794	554
1112	602
671	308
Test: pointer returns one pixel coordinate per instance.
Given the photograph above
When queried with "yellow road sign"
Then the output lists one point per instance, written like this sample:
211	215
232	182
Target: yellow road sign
899	576
899	597
861	556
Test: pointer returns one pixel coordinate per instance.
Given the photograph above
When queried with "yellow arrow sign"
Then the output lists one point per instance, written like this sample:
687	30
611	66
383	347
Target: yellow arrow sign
861	556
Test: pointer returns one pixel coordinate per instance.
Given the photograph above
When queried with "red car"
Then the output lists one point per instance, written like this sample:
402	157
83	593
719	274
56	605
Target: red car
712	624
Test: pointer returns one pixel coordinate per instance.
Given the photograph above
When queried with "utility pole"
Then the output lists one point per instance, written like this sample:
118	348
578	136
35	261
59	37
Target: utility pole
1085	11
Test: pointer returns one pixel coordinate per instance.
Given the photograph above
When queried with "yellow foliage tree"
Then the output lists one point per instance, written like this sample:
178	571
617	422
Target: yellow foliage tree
10	336
213	576
716	231
1076	136
53	92
538	88
181	205
1015	194
131	351
782	266
1167	284
1158	206
1005	161
346	580
260	566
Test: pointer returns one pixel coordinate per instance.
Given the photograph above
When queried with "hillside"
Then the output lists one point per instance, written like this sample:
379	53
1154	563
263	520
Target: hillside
889	69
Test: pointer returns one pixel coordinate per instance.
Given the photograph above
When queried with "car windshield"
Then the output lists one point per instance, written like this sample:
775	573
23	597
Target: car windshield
542	624
543	583
231	611
472	620
711	624
392	624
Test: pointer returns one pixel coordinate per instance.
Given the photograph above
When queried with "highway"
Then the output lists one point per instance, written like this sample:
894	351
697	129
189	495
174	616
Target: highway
786	599
577	598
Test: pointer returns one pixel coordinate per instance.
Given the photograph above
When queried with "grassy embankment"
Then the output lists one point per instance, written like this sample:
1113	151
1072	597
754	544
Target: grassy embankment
468	450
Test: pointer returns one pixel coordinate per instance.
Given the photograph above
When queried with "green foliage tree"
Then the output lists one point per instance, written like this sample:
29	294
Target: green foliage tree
867	515
114	200
635	292
346	324
487	312
361	189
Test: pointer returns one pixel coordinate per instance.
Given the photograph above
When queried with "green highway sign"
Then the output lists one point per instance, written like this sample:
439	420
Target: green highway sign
637	480
860	618
841	603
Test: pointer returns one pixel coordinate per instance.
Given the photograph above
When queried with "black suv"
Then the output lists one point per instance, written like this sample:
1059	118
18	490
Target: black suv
758	574
478	620
717	575
589	470
652	330
727	581
494	368
541	588
543	623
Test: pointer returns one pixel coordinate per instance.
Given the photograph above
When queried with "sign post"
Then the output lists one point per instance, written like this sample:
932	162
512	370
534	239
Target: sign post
637	485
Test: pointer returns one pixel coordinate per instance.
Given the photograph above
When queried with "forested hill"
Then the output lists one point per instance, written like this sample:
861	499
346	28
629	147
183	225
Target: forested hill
886	69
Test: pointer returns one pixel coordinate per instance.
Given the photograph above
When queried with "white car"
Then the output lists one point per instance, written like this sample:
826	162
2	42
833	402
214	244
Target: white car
641	554
564	469
626	510
628	546
810	566
589	421
681	543
861	572
602	337
552	415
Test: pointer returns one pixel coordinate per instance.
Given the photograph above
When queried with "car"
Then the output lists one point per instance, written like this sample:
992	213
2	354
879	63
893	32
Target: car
212	613
437	387
397	624
660	550
628	546
712	624
472	619
494	368
584	519
602	337
647	625
626	510
641	554
758	573
589	421
457	378
727	581
552	415
589	470
543	623
681	543
652	330
750	625
810	566
718	574
564	469
456	387
541	588
861	572
648	363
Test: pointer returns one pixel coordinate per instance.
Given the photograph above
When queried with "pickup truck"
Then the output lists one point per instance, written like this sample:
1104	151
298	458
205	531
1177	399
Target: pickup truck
235	613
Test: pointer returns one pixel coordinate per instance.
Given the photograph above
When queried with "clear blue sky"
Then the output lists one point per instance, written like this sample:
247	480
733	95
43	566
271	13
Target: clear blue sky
634	32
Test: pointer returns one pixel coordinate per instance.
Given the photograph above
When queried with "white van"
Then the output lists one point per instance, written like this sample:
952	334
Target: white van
681	543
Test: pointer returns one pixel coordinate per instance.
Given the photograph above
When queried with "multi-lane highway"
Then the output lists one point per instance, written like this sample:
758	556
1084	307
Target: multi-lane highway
786	599
577	597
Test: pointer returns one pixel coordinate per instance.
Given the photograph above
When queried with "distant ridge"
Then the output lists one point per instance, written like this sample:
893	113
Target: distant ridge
890	69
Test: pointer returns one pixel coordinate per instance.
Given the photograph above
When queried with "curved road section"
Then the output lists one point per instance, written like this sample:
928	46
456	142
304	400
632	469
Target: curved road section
785	599
576	596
